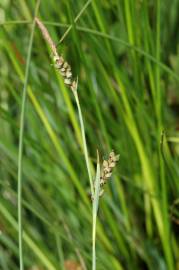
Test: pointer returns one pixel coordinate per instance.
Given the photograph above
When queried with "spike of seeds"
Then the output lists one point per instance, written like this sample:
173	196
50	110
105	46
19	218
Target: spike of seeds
107	168
59	63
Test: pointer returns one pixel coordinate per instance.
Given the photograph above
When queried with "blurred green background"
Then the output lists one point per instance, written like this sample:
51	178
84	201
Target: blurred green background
126	56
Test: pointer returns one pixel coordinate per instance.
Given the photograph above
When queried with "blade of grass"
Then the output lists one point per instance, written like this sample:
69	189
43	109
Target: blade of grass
21	136
75	20
60	251
132	37
159	98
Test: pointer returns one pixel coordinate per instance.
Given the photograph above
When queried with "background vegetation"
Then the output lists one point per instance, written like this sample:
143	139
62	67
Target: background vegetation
126	56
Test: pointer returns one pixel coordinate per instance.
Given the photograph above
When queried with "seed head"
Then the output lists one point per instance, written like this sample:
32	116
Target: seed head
59	63
107	169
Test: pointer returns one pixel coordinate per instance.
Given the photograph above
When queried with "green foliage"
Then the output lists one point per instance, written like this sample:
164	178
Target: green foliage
125	54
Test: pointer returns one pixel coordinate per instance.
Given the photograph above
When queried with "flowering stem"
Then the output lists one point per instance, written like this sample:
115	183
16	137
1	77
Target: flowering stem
84	140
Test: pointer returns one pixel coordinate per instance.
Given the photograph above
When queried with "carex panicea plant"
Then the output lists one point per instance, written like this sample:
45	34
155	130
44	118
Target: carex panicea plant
103	173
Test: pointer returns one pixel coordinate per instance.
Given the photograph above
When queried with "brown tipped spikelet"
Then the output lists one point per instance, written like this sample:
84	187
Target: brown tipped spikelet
59	63
107	168
106	171
65	70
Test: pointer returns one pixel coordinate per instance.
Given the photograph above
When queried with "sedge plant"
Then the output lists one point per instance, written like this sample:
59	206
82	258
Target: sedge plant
102	174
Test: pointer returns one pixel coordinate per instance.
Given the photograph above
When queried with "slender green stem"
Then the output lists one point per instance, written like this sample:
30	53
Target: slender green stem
84	140
95	211
21	136
94	242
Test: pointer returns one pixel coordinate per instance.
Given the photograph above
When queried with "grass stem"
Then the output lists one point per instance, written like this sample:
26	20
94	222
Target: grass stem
95	210
21	136
84	140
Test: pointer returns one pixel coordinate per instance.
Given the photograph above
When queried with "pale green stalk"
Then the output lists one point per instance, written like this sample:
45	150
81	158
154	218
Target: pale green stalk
84	140
21	136
94	192
95	210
